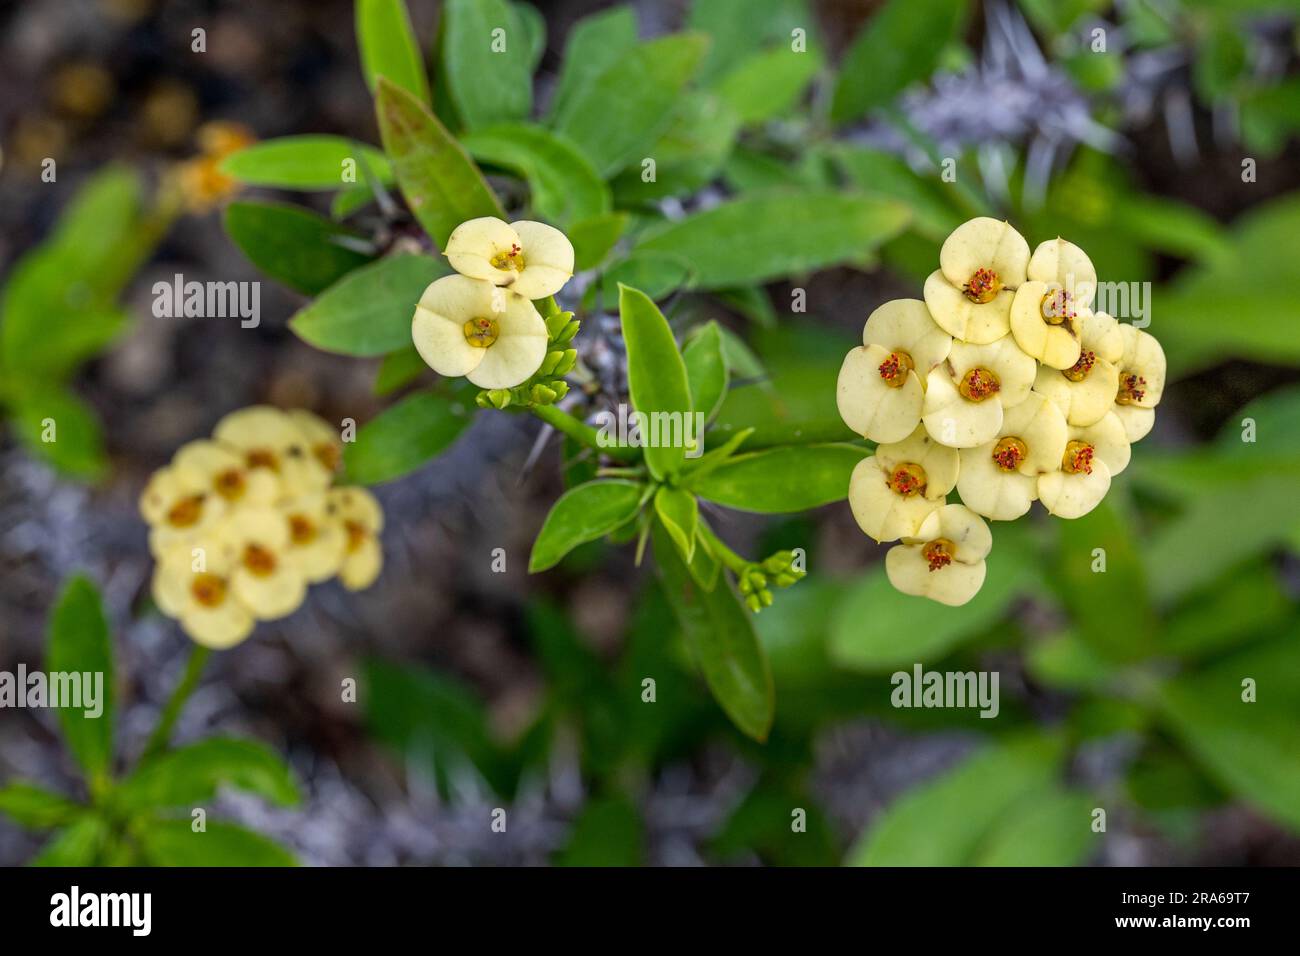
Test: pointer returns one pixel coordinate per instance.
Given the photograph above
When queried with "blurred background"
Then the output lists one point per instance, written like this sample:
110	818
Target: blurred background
1169	154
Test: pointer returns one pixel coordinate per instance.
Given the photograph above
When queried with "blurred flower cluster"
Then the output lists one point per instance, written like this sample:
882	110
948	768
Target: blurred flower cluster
1004	385
241	524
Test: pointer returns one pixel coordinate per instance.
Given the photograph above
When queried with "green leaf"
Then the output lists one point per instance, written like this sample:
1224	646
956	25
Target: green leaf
294	245
441	184
881	174
656	377
533	24
875	628
75	444
368	312
389	48
618	116
735	33
689	155
679	513
79	642
721	638
191	775
899	46
1252	749
36	808
1048	828
583	514
944	821
1111	608
403	438
174	843
706	370
489	73
769	83
305	162
76	845
608	832
594	238
781	480
780	234
595	44
398	369
433	717
565	187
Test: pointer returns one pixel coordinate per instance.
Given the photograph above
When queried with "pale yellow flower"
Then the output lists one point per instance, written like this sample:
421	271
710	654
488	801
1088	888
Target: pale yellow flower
469	327
895	490
263	577
1141	382
229	476
1094	454
1064	265
361	518
944	560
881	383
1086	391
535	260
193	585
1047	323
965	396
999	479
317	541
272	441
178	505
322	439
980	266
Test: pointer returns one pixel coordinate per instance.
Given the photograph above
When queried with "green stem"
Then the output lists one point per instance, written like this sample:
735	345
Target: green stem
581	432
730	558
162	733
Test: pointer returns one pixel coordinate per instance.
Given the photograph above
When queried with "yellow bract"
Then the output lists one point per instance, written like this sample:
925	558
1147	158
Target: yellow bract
243	523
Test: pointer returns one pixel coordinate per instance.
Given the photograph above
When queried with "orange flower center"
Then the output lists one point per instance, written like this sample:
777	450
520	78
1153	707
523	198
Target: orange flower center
262	458
259	560
982	286
1009	452
480	333
513	259
907	480
230	484
895	368
978	384
1132	389
1080	369
328	454
208	589
186	512
1077	458
938	553
1057	307
357	534
302	530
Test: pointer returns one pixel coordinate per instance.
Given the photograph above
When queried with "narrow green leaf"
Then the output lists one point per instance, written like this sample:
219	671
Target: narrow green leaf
79	642
594	45
657	382
306	162
174	843
1052	827
688	156
943	821
294	245
398	369
583	514
76	845
721	638
706	370
899	46
679	513
441	184
389	48
781	480
594	238
735	33
368	312
487	55
770	83
60	428
403	438
191	775
36	808
617	117
780	234
533	24
565	187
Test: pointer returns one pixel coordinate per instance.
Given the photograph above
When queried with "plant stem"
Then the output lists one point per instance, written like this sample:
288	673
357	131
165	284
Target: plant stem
723	553
162	733
581	432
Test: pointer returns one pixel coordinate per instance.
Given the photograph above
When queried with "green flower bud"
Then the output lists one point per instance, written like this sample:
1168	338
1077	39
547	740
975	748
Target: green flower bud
499	397
566	362
548	364
543	395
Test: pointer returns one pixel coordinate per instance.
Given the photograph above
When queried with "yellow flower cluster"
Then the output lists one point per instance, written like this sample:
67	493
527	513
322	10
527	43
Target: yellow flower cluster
200	181
1003	385
481	323
242	523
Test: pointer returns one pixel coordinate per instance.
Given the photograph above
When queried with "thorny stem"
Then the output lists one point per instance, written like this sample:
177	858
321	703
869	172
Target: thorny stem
162	733
581	432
